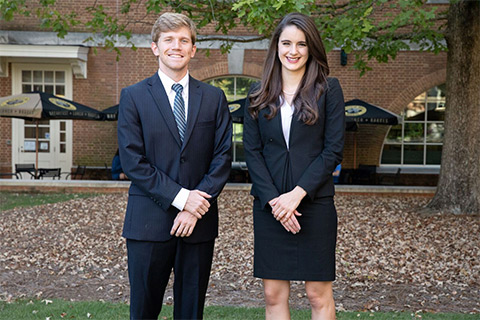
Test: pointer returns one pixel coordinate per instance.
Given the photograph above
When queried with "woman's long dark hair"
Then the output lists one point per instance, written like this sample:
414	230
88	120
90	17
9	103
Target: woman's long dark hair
312	84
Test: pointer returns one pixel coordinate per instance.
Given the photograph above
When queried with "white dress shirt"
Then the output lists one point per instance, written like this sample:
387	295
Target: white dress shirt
167	85
286	112
182	196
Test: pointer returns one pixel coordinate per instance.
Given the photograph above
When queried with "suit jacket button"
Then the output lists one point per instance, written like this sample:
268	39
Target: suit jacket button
182	160
270	139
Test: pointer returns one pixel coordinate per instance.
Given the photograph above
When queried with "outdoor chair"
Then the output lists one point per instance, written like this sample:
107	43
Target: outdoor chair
365	174
8	174
346	176
77	174
108	172
25	168
390	179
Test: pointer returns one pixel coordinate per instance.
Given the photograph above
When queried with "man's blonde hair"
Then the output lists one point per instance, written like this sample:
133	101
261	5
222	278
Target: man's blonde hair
170	21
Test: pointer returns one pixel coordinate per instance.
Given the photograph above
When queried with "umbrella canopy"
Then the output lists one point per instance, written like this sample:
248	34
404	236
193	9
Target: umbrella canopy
111	114
41	105
359	111
356	112
237	109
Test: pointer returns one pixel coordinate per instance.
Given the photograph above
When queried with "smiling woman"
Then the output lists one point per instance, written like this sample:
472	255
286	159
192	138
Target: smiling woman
293	54
293	137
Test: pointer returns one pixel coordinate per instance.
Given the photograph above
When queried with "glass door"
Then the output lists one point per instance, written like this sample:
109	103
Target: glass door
54	136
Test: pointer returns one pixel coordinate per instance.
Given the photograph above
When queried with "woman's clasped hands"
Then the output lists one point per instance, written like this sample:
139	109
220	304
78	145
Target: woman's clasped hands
284	209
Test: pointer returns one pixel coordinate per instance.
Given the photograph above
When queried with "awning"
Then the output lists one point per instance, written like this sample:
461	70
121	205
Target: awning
361	112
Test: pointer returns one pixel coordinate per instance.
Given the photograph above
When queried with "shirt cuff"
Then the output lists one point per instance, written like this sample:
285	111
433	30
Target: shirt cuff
181	199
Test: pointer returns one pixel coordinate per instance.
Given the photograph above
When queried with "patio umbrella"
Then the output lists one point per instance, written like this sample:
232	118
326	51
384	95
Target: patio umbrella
236	110
356	112
111	114
40	105
360	112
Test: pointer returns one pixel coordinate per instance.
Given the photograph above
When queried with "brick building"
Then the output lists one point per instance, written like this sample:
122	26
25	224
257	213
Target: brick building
32	58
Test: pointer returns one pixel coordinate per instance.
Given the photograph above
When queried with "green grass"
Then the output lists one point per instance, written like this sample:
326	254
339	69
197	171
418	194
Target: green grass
59	309
10	200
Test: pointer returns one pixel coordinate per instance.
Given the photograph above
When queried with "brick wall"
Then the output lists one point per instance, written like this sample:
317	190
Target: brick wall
390	86
95	143
5	128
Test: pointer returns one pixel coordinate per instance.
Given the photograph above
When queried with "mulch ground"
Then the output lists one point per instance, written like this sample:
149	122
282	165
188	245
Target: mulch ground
389	257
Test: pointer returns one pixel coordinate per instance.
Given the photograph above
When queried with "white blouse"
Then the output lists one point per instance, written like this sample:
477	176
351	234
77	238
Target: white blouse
286	112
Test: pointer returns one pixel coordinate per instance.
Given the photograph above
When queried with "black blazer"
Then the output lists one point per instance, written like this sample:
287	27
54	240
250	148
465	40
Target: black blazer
315	150
159	165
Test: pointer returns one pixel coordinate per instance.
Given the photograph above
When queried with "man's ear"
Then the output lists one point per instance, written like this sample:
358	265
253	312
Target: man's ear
194	49
154	47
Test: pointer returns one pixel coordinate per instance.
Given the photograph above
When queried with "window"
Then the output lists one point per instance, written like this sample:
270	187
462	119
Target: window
419	139
235	88
48	81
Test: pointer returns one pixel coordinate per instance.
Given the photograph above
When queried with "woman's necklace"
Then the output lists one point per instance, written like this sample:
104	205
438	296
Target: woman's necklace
288	93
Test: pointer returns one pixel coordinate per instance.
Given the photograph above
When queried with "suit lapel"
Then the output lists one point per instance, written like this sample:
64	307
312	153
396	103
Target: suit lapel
194	100
160	97
297	123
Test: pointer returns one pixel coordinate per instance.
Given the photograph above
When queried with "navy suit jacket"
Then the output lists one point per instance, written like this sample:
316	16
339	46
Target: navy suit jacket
315	150
159	165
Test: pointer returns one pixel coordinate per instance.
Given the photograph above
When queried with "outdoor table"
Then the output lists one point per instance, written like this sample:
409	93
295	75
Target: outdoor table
48	172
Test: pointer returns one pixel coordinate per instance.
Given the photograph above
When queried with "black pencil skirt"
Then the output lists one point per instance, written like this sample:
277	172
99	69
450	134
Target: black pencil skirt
308	255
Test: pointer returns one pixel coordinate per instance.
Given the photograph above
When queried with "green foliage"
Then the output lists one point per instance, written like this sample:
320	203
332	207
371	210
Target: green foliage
378	29
233	87
373	29
263	16
8	8
57	22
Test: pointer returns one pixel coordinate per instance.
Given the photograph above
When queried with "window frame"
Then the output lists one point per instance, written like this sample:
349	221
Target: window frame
237	133
423	99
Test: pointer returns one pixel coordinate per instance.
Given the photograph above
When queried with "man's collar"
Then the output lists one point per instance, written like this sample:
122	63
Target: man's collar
168	82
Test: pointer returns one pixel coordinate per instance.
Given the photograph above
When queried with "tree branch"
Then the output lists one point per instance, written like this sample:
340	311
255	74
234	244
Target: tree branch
237	40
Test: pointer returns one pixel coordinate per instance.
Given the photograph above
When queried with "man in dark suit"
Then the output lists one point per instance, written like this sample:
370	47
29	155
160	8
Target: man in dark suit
174	136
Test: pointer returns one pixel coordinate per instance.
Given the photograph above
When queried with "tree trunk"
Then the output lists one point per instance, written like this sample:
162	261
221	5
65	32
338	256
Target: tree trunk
458	189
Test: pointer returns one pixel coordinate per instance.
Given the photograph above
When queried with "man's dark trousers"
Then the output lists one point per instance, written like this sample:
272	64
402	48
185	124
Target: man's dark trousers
149	268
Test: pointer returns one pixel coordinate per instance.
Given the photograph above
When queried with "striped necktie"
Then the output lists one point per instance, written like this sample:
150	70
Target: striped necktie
179	110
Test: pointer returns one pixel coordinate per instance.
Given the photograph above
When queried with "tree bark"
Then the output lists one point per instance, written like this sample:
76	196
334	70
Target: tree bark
458	189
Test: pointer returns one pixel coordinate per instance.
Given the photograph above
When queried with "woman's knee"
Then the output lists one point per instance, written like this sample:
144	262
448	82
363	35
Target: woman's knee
276	292
320	295
318	301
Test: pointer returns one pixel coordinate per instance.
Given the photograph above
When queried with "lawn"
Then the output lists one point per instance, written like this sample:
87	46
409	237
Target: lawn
61	309
58	309
10	200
